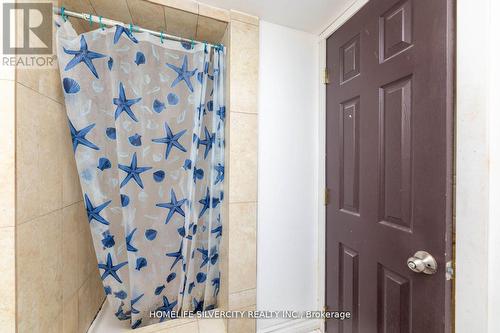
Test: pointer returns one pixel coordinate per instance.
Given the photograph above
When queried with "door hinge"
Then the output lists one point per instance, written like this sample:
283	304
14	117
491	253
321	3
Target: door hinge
327	196
326	76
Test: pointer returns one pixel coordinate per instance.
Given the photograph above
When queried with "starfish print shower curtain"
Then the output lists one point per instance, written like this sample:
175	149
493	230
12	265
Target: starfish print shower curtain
146	118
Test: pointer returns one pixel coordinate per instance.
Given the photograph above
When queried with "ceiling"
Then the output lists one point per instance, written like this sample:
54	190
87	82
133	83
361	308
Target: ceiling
308	15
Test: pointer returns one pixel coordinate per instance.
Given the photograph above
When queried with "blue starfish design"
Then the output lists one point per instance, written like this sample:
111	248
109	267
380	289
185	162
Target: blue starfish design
220	173
93	213
128	240
222	113
174	206
204	256
171	140
216	285
214	256
136	324
132	302
177	255
208	202
198	306
133	172
201	110
78	136
120	30
207	142
217	231
110	269
123	104
122	315
190	287
83	55
166	308
183	74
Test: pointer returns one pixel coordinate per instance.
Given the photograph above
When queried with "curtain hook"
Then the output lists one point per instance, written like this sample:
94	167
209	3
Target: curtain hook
91	20
161	37
63	14
192	43
100	23
131	27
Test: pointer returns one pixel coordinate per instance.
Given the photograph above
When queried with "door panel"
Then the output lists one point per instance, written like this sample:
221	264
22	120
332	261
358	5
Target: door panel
388	166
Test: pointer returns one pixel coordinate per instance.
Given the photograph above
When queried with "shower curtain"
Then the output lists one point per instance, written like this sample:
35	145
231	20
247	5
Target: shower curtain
146	117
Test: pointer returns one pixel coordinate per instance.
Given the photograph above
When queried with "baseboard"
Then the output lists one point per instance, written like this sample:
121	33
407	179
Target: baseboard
294	326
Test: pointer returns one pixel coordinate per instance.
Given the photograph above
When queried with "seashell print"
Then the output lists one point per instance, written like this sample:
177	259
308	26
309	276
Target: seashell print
187	45
201	277
158	106
70	86
121	294
150	234
135	140
140	263
108	240
111	133
172	99
140	58
159	175
104	164
159	289
97	86
171	276
125	200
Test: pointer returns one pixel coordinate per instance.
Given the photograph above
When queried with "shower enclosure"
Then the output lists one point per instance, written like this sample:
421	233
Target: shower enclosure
147	119
51	273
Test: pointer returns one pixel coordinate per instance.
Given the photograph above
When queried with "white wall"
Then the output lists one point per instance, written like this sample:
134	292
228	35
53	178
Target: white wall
287	217
478	168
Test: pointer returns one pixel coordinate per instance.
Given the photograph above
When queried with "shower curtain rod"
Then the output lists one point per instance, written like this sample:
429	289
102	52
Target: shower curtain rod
109	22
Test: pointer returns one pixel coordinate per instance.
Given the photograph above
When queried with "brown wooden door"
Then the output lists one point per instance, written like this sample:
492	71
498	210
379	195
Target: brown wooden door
389	166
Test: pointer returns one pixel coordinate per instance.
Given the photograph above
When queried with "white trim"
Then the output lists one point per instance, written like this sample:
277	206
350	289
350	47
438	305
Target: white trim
477	292
337	22
293	326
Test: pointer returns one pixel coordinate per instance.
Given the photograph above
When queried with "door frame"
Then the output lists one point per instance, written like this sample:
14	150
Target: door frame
462	313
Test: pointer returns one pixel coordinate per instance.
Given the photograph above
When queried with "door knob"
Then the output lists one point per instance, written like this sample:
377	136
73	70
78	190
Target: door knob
422	262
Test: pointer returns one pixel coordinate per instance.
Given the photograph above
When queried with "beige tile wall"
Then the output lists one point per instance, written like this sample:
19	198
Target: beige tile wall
7	203
58	285
242	144
184	18
7	196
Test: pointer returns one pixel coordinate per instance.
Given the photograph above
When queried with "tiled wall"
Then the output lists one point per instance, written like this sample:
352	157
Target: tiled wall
242	151
184	18
58	285
7	198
